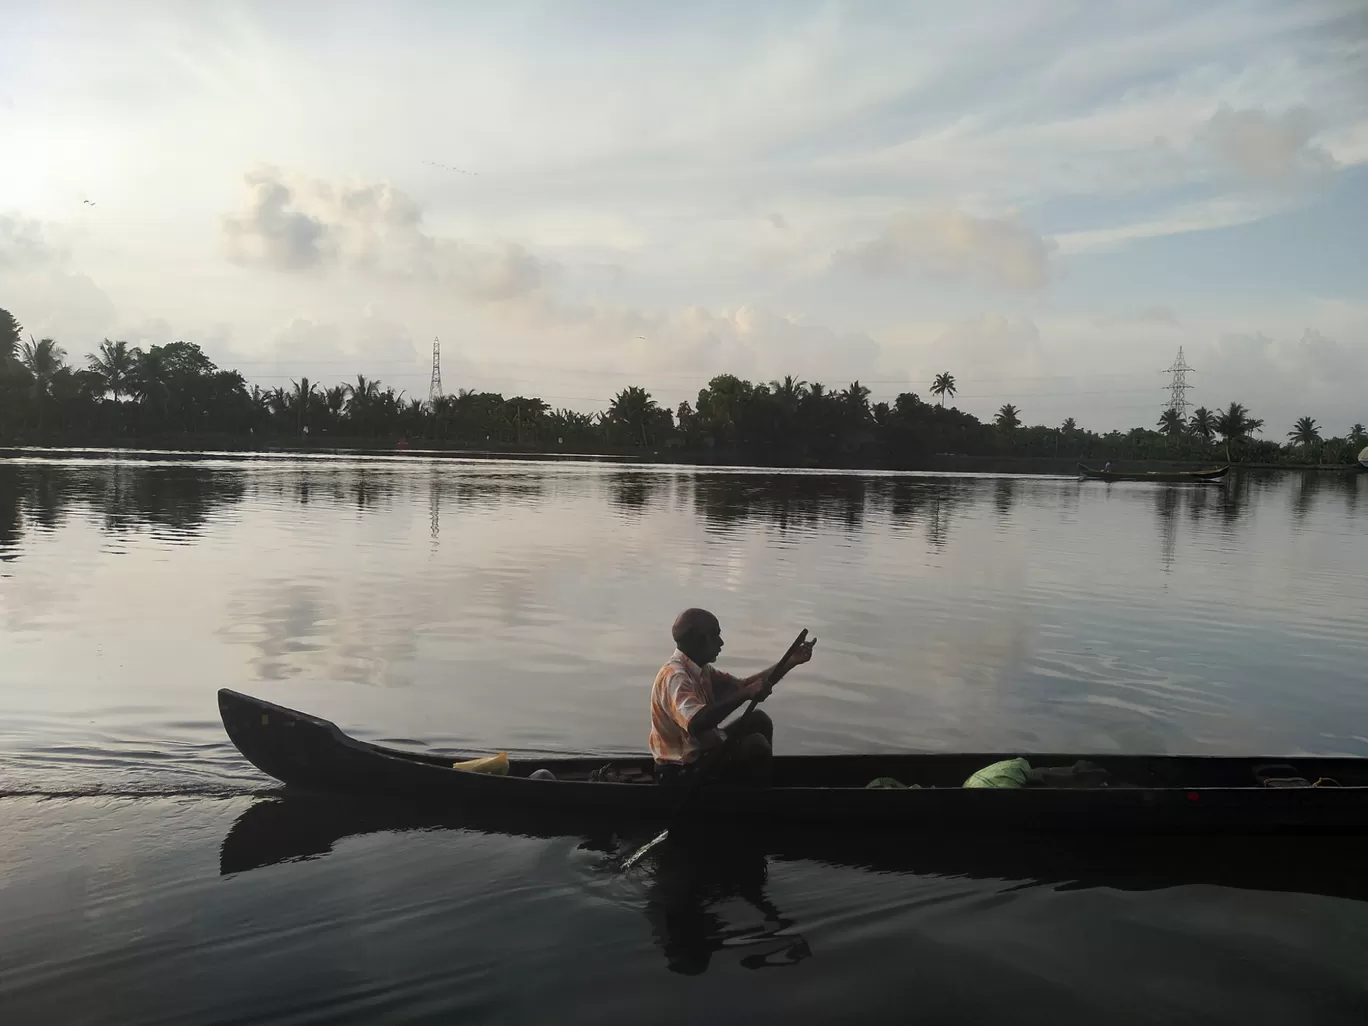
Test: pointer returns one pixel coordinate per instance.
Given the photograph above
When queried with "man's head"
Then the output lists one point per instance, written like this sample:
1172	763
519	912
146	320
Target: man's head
698	635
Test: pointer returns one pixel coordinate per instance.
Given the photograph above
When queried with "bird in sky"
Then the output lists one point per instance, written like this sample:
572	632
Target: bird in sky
91	202
448	167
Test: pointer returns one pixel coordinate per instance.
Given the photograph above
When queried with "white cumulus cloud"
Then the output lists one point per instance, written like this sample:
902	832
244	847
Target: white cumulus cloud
949	244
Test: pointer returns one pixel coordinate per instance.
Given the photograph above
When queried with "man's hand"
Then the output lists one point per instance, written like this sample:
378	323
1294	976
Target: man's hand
801	654
762	684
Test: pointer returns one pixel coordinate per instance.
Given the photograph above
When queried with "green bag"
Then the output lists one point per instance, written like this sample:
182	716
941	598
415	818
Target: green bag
1008	773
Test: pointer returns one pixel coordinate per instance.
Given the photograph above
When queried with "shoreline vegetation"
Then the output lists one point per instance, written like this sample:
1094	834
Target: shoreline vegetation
173	397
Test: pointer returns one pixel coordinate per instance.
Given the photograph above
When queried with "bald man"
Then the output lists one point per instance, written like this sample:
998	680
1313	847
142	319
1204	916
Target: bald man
691	698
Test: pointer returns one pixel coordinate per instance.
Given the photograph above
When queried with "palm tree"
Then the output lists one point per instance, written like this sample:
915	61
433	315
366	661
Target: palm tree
304	393
856	398
1234	424
43	359
334	401
278	402
1357	435
634	408
114	363
1171	423
1202	423
1304	432
789	391
148	383
1069	426
1008	418
10	332
943	385
361	399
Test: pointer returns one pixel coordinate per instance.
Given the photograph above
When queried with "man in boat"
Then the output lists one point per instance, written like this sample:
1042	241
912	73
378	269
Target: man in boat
691	698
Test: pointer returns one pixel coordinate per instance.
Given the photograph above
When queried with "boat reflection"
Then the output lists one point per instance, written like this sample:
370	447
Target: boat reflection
691	885
707	890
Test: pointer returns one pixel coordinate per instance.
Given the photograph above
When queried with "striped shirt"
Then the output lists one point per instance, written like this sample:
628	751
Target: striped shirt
682	688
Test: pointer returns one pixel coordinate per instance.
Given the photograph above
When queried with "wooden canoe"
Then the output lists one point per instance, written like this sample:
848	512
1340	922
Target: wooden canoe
1165	476
1160	793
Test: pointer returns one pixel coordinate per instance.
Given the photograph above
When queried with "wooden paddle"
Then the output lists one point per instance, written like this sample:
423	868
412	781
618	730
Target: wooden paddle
697	784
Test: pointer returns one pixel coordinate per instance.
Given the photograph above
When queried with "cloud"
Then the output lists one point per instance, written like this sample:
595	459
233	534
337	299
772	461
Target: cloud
1003	344
579	354
25	246
68	307
270	233
1283	378
289	224
1155	314
1000	251
41	289
1258	145
1207	215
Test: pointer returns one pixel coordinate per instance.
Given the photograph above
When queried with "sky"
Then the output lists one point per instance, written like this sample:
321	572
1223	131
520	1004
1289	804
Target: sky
1046	199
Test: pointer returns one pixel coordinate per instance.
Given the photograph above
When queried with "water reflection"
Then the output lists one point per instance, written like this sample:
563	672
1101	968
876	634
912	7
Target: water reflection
1168	499
706	892
179	500
633	492
691	887
1004	495
175	502
793	502
691	891
788	501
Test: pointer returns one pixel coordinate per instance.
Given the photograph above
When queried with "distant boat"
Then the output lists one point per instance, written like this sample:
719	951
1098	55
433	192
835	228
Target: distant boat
1169	476
1363	458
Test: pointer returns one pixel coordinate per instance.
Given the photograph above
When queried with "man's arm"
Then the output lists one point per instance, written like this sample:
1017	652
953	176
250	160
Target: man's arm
755	683
757	686
711	715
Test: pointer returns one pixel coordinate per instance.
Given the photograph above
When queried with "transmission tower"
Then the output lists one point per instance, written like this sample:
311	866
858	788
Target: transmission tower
1178	386
435	385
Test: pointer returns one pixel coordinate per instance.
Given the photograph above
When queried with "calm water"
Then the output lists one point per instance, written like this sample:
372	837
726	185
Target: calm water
478	606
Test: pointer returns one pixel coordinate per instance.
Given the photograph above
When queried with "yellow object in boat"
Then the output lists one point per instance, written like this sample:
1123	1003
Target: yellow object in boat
495	764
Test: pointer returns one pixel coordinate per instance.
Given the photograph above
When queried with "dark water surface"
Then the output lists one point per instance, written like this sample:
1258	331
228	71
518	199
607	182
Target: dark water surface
147	874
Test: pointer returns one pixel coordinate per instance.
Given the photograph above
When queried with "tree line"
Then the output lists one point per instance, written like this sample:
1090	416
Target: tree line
123	393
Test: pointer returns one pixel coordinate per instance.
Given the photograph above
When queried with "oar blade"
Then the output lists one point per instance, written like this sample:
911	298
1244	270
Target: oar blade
637	855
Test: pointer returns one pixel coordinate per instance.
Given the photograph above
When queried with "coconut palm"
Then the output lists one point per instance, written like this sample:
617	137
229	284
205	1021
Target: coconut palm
1234	424
43	359
364	392
633	407
1171	423
1357	435
1202	423
335	401
148	382
1304	432
943	385
303	395
1069	426
856	398
10	333
789	391
362	398
1008	418
114	364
